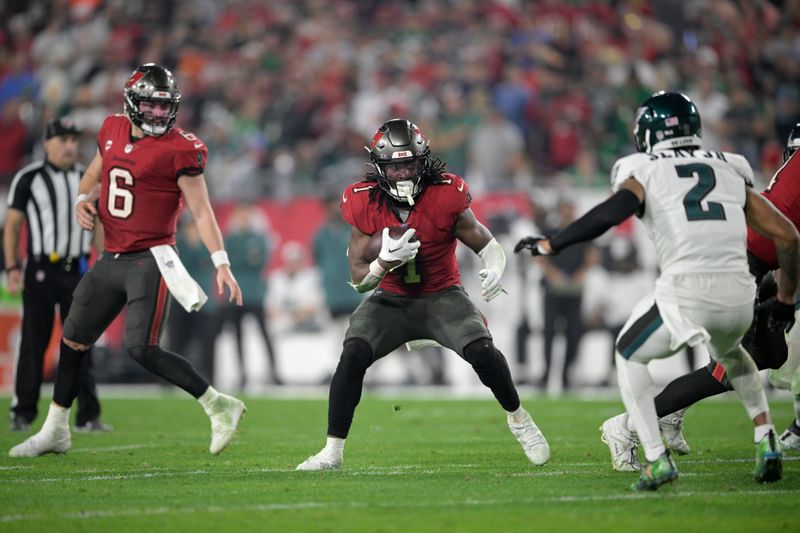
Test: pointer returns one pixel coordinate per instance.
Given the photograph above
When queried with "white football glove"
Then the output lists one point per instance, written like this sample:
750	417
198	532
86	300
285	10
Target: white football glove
490	284
393	250
494	262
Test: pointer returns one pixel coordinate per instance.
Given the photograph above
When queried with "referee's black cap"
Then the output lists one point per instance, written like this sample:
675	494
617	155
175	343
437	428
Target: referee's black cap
61	126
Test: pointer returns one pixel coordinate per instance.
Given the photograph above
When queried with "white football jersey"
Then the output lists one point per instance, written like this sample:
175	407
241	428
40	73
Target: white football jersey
693	208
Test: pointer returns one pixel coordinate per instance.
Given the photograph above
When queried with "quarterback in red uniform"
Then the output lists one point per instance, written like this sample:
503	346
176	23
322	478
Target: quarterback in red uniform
144	168
415	282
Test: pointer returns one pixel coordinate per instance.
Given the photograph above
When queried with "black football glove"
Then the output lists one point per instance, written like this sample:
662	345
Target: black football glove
530	243
780	315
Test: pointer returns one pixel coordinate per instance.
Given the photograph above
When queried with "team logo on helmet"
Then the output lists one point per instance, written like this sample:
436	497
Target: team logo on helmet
151	83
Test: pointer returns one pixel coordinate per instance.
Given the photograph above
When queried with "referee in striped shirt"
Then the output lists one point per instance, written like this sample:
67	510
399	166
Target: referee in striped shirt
43	195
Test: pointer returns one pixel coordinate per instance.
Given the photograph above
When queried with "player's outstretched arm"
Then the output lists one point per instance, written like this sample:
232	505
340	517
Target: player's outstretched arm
618	207
196	195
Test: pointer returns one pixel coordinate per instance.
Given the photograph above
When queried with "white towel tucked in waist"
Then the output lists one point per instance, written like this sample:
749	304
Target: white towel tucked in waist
180	284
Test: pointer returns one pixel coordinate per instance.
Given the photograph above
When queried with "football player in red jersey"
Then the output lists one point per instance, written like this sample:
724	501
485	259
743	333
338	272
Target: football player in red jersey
765	341
143	169
417	286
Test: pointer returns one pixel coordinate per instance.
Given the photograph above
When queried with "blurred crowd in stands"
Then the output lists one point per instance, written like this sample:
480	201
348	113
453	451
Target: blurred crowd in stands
531	96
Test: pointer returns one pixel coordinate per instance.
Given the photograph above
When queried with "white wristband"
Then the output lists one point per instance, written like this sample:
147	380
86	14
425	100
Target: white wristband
81	198
219	258
377	270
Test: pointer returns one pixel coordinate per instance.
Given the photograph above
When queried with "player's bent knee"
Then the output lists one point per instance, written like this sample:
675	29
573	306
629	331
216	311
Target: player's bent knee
140	353
356	356
77	346
482	353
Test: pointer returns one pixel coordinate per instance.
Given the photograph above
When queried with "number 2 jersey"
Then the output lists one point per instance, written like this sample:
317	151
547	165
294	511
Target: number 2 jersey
140	200
784	193
433	216
694	213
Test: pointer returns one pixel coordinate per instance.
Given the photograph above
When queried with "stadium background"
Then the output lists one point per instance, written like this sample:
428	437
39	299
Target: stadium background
530	101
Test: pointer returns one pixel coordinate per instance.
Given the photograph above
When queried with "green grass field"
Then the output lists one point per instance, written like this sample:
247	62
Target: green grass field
410	465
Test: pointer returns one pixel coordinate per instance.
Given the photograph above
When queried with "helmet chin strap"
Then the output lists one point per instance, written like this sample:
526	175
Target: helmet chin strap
405	188
150	129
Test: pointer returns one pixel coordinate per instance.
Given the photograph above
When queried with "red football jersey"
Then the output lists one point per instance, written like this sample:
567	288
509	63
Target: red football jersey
433	216
139	196
784	193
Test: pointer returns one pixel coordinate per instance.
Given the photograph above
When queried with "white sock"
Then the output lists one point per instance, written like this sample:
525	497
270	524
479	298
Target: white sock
57	416
636	386
208	398
519	415
335	444
762	431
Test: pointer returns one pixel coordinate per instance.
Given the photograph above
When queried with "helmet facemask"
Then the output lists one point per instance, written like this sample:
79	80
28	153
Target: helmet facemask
792	144
152	84
402	180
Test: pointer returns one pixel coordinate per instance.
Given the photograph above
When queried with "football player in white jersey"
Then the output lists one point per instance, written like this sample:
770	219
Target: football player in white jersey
696	206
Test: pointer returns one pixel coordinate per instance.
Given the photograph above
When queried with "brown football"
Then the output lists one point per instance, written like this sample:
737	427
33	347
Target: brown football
376	239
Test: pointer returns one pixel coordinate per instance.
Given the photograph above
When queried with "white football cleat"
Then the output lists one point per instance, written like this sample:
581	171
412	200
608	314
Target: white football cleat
671	427
326	459
225	414
622	443
790	439
531	438
49	439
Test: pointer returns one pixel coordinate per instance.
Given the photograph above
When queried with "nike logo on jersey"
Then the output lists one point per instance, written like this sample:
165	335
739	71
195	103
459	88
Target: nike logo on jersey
460	186
198	145
344	198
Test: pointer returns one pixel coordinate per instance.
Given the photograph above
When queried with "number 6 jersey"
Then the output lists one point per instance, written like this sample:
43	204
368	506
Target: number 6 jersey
139	196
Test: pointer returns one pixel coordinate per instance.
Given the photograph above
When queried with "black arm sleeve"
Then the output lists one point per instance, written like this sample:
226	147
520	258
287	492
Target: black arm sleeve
602	217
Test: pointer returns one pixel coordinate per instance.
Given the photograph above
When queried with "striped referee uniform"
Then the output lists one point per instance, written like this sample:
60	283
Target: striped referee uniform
47	195
57	255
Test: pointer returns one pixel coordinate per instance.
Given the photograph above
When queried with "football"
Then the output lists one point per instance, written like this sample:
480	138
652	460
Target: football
376	240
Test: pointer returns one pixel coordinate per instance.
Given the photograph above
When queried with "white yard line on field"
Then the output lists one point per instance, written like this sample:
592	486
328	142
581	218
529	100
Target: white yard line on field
295	506
121	447
373	470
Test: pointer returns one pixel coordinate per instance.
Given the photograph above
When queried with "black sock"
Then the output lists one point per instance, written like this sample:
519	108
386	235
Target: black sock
492	369
171	367
346	386
69	374
687	390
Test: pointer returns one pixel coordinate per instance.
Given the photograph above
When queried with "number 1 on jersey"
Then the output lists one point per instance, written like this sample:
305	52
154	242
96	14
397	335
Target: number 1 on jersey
411	273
